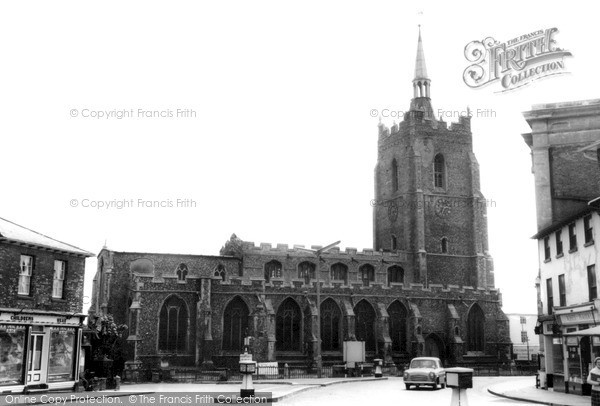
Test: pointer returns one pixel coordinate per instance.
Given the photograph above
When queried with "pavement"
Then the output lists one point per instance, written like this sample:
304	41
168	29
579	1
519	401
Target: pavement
514	389
279	390
530	394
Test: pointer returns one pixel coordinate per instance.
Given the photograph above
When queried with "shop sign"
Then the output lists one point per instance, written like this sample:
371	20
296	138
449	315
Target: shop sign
572	341
585	317
7	317
557	340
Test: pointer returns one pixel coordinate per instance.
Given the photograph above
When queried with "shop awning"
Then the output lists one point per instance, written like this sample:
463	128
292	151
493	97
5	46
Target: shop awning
593	331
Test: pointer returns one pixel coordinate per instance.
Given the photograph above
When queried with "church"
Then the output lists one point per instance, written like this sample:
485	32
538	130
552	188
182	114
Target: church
425	289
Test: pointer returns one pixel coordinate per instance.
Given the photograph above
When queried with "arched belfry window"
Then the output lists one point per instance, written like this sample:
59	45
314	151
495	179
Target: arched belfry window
367	274
173	326
182	271
339	272
273	270
394	170
395	274
365	324
220	272
397	326
439	171
475	329
288	326
331	317
235	324
306	271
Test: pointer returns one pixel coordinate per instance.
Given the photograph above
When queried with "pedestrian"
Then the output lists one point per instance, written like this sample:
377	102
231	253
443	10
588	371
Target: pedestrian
594	380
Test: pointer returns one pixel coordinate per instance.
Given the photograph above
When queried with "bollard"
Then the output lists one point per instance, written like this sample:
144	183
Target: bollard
378	371
459	379
117	382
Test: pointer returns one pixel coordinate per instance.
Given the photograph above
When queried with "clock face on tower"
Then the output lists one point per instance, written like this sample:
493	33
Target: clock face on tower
442	207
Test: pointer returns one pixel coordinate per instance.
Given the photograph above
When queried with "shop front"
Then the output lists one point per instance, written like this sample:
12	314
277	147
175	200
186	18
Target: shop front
579	345
39	350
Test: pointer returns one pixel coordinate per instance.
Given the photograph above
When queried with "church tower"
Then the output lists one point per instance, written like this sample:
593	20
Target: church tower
428	204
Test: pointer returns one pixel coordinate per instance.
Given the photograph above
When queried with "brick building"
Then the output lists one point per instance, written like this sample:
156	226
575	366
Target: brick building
41	297
426	289
564	142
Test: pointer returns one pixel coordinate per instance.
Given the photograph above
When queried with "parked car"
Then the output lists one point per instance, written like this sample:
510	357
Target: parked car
425	371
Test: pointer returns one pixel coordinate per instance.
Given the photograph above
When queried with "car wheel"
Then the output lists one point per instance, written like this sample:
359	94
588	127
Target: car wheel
407	386
444	385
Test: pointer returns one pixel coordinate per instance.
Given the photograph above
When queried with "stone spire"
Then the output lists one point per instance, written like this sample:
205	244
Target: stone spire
420	66
421	84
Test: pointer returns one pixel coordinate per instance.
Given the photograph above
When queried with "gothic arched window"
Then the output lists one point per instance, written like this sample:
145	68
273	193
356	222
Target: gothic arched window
365	324
367	274
182	271
439	171
475	329
272	270
235	324
339	272
331	317
394	170
306	271
395	274
288	325
173	326
220	272
397	325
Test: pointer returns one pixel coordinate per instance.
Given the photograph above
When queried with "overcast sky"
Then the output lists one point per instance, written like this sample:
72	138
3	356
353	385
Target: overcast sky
283	145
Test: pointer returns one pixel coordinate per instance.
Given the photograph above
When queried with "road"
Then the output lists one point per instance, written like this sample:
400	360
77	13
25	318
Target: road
392	392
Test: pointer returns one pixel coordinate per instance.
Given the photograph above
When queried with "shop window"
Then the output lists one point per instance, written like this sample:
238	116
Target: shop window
173	326
475	329
62	353
12	344
58	283
25	272
235	324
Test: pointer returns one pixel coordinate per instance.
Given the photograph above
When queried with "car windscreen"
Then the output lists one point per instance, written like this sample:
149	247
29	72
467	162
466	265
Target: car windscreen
423	363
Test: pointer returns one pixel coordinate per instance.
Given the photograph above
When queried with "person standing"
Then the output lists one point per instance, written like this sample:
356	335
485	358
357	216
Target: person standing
594	380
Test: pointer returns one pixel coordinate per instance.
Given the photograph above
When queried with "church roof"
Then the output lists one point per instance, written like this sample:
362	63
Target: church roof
12	232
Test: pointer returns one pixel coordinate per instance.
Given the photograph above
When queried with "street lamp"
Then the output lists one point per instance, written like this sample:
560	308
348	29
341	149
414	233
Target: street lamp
318	271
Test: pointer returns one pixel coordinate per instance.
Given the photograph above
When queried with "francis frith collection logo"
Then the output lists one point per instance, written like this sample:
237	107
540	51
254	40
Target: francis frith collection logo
514	63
